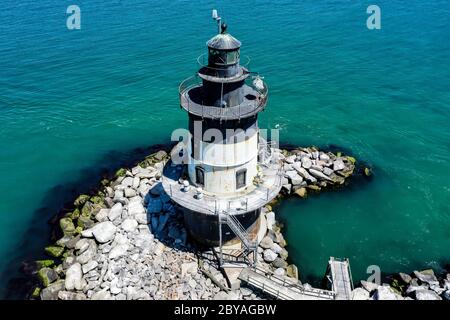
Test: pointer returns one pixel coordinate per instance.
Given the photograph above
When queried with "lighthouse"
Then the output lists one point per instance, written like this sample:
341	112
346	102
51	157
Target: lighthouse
224	172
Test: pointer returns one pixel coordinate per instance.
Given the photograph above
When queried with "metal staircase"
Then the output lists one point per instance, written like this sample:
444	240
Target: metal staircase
249	245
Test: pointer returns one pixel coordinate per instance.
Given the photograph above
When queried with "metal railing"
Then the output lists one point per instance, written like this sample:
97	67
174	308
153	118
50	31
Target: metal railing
240	231
265	151
345	262
214	205
203	62
244	109
284	282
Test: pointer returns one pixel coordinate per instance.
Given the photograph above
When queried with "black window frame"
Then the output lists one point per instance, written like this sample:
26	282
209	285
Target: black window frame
243	183
199	169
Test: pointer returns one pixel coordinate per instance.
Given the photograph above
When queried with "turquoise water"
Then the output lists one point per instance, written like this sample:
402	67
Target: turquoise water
75	102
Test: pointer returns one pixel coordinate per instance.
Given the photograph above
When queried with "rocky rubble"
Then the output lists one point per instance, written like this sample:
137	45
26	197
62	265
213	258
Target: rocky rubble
420	285
310	170
128	242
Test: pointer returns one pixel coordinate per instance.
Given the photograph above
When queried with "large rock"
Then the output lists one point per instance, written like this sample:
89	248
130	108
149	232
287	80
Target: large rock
301	192
101	295
67	295
426	276
306	162
283	254
266	243
286	187
327	171
47	276
89	253
292	271
369	286
270	218
67	226
291	174
276	248
104	231
360	294
127	182
85	222
436	288
319	175
305	174
296	180
160	155
189	268
51	292
411	290
406	278
269	255
324	157
102	215
427	295
141	218
221	295
338	164
74	277
82	245
279	272
446	295
386	293
90	265
130	193
54	251
290	159
118	251
316	167
297	166
135	207
81	200
115	212
129	225
279	263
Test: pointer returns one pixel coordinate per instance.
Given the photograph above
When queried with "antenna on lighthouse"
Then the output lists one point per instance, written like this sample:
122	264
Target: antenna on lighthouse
218	19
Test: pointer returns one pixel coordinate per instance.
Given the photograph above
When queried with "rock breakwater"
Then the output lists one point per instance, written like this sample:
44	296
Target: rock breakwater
127	241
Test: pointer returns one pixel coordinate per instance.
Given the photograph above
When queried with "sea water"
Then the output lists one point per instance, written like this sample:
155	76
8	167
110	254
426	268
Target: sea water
76	102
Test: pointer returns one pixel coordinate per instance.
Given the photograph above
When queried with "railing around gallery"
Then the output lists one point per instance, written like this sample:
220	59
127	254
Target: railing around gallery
188	197
203	62
215	112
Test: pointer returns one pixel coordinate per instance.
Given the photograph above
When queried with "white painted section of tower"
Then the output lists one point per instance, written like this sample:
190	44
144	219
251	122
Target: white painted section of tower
221	162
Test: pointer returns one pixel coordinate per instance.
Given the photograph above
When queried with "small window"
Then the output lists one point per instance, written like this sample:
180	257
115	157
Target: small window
200	176
232	57
241	176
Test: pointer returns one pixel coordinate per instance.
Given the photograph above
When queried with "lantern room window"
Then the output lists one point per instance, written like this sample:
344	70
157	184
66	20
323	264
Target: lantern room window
232	57
223	57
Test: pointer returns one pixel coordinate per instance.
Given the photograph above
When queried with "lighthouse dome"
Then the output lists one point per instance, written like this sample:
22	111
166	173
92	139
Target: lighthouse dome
224	41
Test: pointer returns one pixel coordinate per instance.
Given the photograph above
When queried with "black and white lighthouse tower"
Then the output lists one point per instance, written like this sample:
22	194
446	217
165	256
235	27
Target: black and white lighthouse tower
228	171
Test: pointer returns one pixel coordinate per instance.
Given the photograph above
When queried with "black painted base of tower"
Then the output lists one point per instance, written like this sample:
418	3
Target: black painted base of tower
204	228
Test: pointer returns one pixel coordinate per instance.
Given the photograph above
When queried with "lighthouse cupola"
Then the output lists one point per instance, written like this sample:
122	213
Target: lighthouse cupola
223	53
